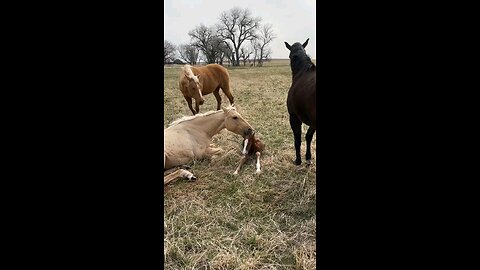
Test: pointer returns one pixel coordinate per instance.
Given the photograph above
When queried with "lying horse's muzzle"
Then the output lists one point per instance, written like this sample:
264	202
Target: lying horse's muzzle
247	133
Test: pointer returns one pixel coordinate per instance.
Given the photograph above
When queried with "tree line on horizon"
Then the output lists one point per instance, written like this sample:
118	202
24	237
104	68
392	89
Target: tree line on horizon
238	37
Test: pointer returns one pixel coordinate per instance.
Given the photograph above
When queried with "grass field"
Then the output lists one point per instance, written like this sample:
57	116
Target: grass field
249	221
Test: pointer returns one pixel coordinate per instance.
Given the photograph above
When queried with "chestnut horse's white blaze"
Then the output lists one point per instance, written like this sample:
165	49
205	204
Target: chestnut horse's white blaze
190	138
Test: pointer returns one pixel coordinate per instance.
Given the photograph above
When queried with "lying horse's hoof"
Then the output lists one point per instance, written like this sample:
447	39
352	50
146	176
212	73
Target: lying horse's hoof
193	178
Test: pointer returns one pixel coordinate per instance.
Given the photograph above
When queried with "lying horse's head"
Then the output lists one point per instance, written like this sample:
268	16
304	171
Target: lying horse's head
235	123
194	86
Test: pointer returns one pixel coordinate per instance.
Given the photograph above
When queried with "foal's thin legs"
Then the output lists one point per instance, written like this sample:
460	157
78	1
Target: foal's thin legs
258	154
244	158
308	138
296	126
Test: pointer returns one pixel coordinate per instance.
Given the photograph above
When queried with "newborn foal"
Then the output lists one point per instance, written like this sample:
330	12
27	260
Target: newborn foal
251	146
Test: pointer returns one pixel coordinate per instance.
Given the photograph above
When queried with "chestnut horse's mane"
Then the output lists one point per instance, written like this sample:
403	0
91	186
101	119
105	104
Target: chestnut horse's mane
189	73
187	118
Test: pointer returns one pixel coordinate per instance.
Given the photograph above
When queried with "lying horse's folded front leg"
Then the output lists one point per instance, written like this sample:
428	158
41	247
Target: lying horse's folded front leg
210	151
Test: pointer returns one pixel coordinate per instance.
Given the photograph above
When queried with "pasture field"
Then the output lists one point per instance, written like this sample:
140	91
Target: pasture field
249	221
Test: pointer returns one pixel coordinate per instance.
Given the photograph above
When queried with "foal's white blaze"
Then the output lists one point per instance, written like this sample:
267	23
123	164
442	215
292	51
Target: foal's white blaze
244	151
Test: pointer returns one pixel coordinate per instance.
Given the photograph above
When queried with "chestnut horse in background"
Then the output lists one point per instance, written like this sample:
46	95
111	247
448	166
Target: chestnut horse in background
198	81
302	96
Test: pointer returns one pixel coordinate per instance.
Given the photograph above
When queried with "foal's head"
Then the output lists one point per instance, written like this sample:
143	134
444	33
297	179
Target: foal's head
235	123
194	87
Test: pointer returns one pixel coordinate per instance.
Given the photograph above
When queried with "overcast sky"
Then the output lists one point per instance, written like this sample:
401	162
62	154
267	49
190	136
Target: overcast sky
292	20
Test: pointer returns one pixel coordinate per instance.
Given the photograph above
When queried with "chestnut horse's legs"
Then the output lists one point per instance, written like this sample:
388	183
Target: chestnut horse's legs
296	126
308	138
227	92
218	97
197	106
189	101
244	158
178	173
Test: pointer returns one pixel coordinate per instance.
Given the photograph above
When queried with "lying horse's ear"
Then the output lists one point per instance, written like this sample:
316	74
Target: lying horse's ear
305	44
224	109
288	46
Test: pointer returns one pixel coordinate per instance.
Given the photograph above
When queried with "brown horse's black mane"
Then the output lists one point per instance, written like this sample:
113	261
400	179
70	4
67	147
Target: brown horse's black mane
299	60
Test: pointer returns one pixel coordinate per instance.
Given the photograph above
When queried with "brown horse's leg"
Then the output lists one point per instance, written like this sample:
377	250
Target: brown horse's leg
189	101
308	138
296	126
244	158
227	92
179	173
218	97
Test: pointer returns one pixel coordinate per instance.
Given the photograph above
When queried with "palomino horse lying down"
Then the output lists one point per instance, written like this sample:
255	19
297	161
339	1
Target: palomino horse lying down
195	82
190	138
251	146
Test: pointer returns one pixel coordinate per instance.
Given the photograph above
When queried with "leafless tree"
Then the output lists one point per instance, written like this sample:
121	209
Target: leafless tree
265	36
206	40
168	52
255	48
245	55
188	53
266	57
236	26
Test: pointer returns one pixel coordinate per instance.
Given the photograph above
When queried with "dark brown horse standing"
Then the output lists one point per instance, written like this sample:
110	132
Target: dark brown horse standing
198	81
301	101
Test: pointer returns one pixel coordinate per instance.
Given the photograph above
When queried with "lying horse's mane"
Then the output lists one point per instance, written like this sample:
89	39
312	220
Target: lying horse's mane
188	118
300	62
189	73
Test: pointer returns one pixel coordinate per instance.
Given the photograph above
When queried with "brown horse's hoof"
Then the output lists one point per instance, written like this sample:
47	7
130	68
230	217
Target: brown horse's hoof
298	162
309	162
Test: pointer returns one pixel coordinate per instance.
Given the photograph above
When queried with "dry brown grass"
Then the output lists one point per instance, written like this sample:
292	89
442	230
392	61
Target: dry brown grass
250	221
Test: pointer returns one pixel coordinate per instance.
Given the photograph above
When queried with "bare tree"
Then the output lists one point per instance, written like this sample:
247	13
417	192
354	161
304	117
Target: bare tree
245	55
188	53
266	57
265	36
207	41
255	48
236	26
168	52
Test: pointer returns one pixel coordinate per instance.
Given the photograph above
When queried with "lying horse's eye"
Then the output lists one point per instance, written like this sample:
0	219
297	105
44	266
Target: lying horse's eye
235	117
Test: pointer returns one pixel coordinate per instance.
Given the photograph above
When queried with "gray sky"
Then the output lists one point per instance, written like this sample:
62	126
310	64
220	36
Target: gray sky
292	20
